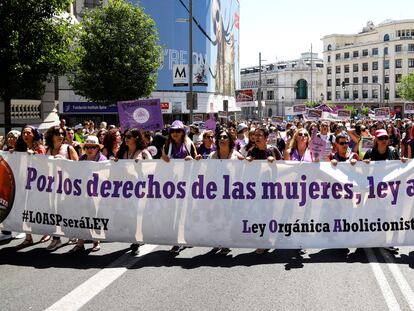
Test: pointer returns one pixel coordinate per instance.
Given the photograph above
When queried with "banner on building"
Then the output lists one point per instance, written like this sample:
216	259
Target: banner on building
245	98
143	114
211	202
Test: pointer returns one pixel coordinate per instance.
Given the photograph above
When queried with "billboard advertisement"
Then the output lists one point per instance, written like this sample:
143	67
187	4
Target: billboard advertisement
215	42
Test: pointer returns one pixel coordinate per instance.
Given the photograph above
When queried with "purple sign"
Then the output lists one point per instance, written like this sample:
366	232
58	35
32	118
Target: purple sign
144	114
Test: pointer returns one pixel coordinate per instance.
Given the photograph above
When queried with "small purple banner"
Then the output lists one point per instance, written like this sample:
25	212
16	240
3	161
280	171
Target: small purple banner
144	114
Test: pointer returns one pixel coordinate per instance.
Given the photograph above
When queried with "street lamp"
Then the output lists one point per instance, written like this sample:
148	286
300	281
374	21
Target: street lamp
387	94
190	57
322	97
259	89
283	106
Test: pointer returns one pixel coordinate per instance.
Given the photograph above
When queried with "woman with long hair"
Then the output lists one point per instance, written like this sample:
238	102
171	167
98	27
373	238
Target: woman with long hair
299	147
112	142
30	141
54	138
207	146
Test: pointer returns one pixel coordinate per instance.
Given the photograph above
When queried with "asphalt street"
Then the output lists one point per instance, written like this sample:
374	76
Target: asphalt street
199	279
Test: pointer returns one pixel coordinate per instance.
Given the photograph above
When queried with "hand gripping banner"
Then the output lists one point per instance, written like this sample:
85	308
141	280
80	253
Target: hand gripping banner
228	203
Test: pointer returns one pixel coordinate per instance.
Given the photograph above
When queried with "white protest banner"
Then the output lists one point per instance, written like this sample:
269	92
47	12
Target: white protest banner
277	120
245	98
299	109
382	113
228	203
409	108
314	114
344	114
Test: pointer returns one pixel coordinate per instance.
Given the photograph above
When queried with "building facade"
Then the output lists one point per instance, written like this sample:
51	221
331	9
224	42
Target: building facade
284	84
365	68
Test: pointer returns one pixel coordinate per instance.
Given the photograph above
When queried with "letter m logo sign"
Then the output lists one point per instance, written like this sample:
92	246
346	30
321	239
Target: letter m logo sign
180	77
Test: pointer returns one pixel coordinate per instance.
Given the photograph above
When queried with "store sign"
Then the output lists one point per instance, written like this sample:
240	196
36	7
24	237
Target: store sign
87	107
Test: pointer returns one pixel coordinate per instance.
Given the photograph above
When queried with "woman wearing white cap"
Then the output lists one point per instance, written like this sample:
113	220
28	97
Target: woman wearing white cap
92	148
178	146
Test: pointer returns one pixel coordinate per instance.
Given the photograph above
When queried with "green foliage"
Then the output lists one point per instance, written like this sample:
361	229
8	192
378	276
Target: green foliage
34	45
406	87
311	104
353	110
118	54
365	111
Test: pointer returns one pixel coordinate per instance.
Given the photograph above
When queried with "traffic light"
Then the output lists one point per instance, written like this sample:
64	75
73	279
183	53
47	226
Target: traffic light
343	84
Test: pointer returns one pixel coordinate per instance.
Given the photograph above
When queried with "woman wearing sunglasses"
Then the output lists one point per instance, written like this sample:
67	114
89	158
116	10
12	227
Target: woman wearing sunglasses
178	146
225	150
91	148
54	138
134	147
207	146
343	152
299	147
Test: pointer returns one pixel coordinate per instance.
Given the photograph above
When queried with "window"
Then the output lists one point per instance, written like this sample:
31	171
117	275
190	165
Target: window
365	52
346	55
387	79
364	66
338	69
329	82
374	65
337	94
338	82
364	79
387	37
398	48
398	78
346	80
364	93
411	47
329	58
355	68
355	54
355	94
386	64
328	95
270	81
337	56
270	95
374	93
329	48
346	68
328	70
374	79
398	63
397	95
411	63
355	80
375	51
386	51
346	94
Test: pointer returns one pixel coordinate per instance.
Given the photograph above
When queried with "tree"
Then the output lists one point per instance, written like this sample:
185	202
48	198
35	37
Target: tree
118	54
311	104
34	46
353	110
406	87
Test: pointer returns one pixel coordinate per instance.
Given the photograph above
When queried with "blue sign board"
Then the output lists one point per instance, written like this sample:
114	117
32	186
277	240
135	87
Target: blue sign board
88	108
215	41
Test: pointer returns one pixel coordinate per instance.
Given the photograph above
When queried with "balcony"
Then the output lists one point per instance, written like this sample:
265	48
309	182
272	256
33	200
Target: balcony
22	109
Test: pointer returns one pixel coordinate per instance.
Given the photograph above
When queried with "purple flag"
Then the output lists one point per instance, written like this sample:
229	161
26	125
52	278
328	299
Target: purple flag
144	114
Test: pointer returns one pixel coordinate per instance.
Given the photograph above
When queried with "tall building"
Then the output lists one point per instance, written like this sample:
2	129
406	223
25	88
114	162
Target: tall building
284	84
365	68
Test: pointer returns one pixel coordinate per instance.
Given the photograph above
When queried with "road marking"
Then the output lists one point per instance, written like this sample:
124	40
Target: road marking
399	278
382	281
82	294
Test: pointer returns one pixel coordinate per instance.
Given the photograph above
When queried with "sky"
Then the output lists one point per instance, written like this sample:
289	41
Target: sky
283	29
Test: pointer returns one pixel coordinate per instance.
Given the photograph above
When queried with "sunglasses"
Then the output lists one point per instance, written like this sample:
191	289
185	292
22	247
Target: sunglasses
90	147
176	131
382	138
303	134
324	125
59	133
210	137
129	136
343	143
223	137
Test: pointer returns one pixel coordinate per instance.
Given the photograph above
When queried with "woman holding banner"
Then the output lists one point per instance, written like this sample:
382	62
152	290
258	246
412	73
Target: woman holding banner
261	152
178	146
134	147
92	148
30	141
299	147
112	142
56	148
